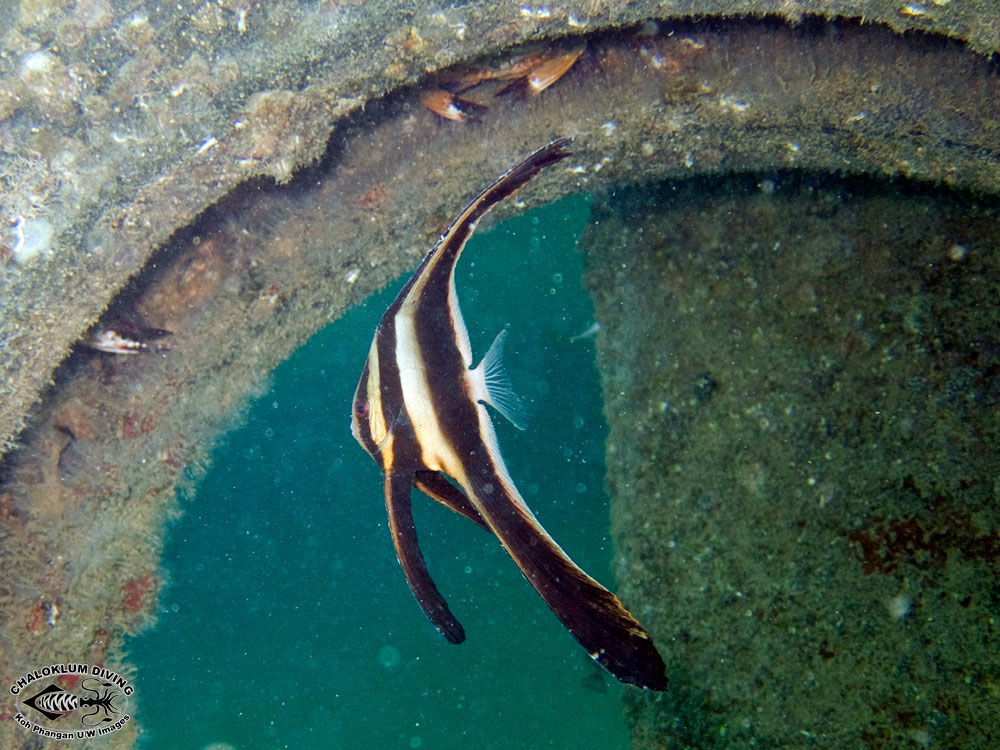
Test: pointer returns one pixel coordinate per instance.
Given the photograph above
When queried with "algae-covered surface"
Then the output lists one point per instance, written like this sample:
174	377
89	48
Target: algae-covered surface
287	620
802	380
121	123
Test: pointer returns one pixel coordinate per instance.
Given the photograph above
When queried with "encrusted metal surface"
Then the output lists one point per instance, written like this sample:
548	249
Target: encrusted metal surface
83	500
121	122
803	457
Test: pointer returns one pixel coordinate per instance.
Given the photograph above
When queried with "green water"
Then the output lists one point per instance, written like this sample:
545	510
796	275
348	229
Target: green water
286	621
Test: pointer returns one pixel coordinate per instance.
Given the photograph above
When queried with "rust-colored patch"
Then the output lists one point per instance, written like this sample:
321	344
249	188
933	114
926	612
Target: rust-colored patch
373	198
37	618
11	516
78	420
923	542
190	282
135	593
68	681
134	426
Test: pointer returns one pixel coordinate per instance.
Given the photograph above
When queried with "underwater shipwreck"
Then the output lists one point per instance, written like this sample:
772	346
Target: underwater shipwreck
793	254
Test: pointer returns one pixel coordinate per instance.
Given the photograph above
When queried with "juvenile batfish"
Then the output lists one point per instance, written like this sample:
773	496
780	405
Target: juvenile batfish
419	411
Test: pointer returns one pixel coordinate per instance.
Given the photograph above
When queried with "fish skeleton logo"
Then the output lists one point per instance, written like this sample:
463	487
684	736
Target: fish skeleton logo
53	702
98	702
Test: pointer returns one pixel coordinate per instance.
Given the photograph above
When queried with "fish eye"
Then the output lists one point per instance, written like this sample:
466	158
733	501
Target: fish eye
361	408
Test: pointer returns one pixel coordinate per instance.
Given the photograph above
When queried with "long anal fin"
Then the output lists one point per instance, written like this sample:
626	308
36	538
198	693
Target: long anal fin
436	487
404	538
592	614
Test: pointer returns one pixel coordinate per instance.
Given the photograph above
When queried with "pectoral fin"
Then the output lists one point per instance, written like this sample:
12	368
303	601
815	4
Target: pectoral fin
496	389
404	538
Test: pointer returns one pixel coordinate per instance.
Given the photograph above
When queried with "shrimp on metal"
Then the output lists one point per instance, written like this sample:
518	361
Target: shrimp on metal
529	74
451	107
544	73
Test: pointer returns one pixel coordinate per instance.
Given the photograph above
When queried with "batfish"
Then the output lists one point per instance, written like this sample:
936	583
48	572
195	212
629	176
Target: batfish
420	412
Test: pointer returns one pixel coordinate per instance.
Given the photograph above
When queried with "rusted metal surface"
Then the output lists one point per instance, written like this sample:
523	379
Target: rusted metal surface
120	124
83	500
802	462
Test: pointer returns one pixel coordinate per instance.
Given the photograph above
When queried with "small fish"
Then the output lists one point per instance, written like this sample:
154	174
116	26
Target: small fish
123	337
110	341
419	412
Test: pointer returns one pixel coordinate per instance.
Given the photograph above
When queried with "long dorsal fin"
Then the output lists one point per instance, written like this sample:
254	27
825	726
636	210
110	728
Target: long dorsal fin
499	391
594	616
